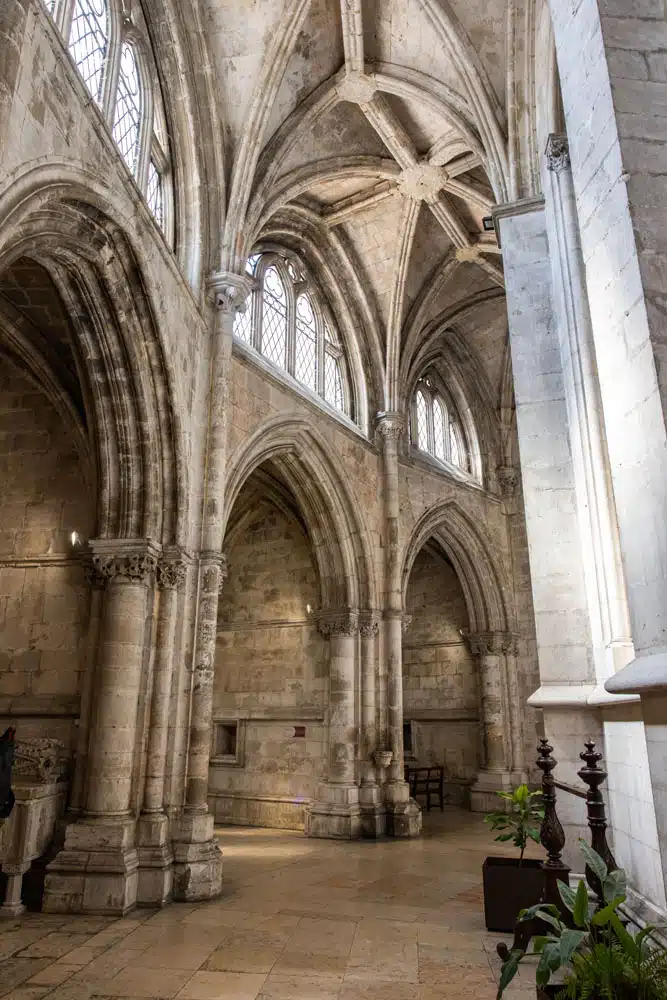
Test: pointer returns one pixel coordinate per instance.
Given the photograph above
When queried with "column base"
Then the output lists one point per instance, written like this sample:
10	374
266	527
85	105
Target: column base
373	812
197	859
96	871
335	813
484	793
156	860
404	815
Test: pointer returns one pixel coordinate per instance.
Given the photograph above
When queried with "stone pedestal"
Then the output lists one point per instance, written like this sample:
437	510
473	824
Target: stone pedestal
197	859
156	874
97	869
335	811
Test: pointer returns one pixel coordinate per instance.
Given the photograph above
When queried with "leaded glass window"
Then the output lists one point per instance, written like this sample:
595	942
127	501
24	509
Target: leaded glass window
286	322
127	119
155	194
435	427
274	318
89	42
305	365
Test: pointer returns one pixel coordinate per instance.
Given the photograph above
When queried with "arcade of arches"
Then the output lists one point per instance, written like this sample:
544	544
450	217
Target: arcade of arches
332	423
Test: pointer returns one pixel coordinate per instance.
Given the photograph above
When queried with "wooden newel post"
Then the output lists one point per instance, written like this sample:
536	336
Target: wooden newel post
593	776
552	836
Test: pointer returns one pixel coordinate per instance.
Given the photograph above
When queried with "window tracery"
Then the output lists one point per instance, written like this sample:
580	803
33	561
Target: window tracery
112	55
435	426
285	321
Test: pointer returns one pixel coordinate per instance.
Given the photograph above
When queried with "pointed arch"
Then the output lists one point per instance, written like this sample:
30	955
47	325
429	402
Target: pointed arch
306	462
484	587
135	427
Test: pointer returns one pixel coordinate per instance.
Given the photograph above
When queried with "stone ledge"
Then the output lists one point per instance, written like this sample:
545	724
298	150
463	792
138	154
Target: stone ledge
642	676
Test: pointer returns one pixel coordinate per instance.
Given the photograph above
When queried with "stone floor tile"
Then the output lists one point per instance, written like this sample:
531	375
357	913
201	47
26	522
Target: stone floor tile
54	945
243	958
323	937
54	975
27	993
174	956
14	972
379	990
292	963
222	986
299	988
139	982
17	938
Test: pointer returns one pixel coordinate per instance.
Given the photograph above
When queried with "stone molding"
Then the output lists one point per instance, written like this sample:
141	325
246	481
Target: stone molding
495	643
558	153
337	623
508	480
229	291
39	761
369	624
124	559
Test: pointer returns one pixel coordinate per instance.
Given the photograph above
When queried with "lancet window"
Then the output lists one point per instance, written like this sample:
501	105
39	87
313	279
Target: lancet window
434	425
113	57
287	321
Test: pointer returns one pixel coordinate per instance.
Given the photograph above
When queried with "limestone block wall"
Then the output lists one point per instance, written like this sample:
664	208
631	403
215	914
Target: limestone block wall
44	598
440	682
271	673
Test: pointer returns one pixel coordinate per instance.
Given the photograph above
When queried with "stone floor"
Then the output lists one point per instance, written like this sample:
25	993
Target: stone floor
299	920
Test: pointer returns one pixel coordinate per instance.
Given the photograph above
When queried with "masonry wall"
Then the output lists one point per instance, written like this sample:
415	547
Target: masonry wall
271	673
44	598
440	682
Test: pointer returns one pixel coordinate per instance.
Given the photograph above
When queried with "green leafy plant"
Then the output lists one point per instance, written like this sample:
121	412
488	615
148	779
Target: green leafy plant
603	961
522	821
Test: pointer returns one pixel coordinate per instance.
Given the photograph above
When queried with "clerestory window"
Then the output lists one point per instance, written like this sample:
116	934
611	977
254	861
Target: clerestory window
287	322
434	424
113	56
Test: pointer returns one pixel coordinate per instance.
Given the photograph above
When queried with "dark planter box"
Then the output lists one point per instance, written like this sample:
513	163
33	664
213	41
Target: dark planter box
548	992
508	889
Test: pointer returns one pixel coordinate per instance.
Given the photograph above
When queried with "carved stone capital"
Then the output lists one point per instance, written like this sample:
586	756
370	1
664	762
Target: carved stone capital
390	425
209	559
125	559
335	622
171	571
494	643
94	577
369	624
406	622
229	291
558	153
508	480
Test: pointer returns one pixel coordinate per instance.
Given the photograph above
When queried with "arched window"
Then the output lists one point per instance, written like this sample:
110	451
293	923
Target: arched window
287	321
127	118
114	59
435	427
89	42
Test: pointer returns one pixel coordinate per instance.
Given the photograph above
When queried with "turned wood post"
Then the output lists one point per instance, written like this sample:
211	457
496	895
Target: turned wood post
552	836
594	776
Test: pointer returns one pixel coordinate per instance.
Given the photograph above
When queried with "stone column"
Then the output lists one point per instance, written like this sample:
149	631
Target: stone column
600	544
491	650
97	869
403	813
335	811
551	500
96	582
197	858
154	846
373	813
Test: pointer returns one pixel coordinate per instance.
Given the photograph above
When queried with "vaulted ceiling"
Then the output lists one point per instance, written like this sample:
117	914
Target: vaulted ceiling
379	127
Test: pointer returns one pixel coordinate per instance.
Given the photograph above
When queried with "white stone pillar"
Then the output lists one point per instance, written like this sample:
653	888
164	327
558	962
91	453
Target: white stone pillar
97	870
335	811
551	501
403	813
197	858
600	544
153	842
373	813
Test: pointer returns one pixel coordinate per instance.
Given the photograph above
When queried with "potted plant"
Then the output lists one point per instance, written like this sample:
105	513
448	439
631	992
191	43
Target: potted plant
513	884
600	958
